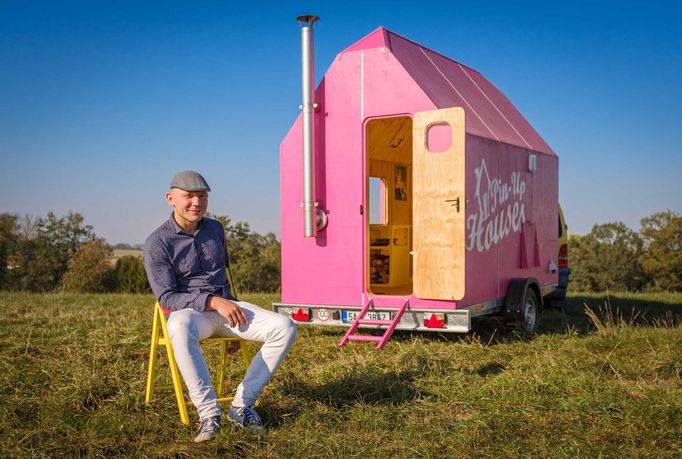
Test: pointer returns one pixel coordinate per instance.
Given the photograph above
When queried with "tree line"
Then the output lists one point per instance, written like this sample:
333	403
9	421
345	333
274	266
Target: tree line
52	253
43	254
614	257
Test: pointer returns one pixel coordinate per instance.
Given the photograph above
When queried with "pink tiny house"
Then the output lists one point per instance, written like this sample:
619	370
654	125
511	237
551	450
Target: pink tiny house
436	200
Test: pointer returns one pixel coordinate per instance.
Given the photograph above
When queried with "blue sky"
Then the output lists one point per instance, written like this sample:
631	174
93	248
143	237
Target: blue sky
101	102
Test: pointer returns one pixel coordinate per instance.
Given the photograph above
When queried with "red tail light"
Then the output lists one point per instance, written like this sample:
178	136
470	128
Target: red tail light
301	314
435	320
563	256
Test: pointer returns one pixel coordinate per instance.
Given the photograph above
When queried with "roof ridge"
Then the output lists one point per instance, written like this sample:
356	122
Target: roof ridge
386	42
388	31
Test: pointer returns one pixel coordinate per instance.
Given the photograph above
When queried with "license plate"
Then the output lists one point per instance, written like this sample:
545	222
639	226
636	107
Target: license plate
350	316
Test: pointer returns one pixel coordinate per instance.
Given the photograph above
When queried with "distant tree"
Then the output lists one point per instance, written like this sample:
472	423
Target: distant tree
65	234
8	242
27	226
130	276
26	268
255	259
123	246
43	249
89	269
60	239
608	257
31	269
662	256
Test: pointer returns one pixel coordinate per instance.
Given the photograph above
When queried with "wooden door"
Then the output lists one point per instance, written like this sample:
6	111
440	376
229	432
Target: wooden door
438	203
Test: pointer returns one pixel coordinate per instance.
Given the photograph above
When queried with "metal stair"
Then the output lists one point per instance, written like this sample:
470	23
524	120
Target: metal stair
360	320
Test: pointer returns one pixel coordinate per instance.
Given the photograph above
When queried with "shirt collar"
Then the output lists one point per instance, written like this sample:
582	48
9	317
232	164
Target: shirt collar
179	230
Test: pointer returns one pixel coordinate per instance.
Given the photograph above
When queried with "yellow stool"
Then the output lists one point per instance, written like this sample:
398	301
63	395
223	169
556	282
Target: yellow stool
160	336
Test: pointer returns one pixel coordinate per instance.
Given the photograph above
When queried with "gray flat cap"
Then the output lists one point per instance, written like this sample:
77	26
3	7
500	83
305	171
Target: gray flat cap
190	181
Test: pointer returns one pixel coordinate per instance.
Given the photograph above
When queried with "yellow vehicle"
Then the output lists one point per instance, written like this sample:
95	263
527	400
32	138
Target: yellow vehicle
557	298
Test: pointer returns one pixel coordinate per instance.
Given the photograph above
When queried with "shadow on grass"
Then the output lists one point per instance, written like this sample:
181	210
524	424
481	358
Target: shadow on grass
362	385
489	369
366	385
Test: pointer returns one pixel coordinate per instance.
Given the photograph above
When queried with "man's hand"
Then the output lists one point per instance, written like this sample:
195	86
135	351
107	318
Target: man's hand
228	309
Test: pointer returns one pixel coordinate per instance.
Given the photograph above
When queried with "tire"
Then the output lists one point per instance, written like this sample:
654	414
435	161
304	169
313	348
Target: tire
530	312
522	306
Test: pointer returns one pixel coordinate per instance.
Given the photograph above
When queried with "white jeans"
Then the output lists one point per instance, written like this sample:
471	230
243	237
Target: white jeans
188	327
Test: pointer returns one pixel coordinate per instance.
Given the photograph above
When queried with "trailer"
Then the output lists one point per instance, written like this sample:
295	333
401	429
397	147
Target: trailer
414	196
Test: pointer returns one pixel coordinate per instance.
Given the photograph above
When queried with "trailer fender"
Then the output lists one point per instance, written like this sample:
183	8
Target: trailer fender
515	302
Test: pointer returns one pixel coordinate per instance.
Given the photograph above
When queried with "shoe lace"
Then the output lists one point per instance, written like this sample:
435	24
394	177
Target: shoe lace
208	425
251	418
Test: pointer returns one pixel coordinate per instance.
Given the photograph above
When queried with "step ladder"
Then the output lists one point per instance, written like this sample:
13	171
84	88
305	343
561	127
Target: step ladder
360	320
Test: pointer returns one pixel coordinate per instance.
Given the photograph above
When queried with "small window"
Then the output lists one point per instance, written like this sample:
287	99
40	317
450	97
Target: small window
378	211
438	138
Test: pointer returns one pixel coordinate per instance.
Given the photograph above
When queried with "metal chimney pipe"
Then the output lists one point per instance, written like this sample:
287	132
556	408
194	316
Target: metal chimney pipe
308	107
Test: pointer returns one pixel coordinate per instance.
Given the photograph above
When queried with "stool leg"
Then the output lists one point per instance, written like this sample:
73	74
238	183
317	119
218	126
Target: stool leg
175	374
152	358
246	358
221	370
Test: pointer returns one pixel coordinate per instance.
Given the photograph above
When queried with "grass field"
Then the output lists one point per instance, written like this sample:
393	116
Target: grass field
72	377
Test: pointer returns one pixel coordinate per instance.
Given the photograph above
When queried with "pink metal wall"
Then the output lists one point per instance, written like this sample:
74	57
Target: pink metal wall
368	81
329	269
500	191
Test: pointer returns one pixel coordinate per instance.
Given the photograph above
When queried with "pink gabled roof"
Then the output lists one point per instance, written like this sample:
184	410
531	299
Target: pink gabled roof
448	83
374	39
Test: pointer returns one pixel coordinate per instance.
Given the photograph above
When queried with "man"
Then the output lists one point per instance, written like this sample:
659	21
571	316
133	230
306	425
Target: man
185	259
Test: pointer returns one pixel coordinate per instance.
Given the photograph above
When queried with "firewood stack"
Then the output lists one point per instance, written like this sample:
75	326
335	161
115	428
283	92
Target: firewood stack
378	269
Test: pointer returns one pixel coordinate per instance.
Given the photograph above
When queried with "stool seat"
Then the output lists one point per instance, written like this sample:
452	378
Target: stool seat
160	337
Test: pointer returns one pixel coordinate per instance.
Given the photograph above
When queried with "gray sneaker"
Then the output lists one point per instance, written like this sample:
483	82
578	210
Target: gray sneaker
245	417
208	429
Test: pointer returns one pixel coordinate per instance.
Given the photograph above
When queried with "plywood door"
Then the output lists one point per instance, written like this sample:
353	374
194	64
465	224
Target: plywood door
438	207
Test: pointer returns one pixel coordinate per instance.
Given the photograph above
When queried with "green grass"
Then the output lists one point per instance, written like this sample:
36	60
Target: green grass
73	368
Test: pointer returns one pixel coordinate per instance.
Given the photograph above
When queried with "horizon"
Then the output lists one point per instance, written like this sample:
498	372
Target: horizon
140	245
103	103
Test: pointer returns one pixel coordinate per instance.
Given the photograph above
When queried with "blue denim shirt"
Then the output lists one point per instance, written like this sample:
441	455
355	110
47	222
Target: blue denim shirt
184	269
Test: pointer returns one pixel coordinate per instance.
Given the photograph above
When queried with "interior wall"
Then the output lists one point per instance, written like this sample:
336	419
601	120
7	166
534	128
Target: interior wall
389	144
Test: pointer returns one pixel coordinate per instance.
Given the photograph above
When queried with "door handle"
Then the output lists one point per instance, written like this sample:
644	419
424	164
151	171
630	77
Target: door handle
455	203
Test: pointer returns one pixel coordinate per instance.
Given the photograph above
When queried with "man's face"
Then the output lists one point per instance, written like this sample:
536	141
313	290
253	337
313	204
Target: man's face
189	206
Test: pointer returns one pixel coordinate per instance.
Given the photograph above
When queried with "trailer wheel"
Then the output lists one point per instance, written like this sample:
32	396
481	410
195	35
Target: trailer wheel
531	312
522	308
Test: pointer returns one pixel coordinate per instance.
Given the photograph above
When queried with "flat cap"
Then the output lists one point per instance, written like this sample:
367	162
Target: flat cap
190	181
